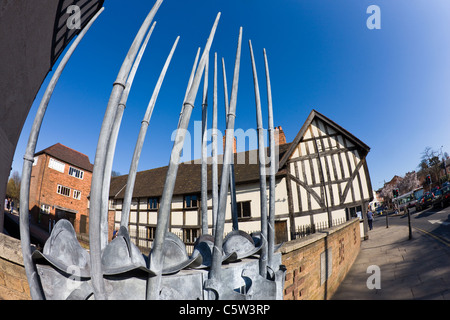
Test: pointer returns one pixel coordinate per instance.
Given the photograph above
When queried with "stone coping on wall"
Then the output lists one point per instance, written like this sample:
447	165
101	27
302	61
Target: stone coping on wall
10	249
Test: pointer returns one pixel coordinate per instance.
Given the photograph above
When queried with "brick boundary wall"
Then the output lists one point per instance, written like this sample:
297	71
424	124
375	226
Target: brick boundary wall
317	264
306	261
13	280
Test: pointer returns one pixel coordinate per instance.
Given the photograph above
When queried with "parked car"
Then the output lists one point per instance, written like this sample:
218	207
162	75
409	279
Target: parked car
443	199
437	193
425	201
380	210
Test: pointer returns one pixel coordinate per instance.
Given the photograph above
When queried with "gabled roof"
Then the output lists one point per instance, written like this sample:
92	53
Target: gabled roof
313	115
68	155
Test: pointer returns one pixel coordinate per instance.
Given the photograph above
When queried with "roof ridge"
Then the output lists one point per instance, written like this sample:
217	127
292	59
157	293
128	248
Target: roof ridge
69	155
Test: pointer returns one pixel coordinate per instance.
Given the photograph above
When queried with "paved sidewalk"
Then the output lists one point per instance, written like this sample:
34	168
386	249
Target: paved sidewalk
416	269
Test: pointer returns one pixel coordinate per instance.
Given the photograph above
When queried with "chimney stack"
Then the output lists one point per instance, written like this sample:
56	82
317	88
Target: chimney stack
234	145
280	137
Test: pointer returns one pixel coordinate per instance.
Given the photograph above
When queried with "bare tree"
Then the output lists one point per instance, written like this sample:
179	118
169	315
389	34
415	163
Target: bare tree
430	165
13	187
409	183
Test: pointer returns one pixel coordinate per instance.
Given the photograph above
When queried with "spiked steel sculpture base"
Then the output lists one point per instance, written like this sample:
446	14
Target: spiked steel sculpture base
234	268
240	281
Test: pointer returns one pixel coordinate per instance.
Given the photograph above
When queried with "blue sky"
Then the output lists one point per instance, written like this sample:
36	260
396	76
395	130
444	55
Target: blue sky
389	87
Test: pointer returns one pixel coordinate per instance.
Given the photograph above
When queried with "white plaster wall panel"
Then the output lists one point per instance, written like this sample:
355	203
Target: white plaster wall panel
338	214
153	218
281	201
177	218
118	216
134	204
177	202
133	217
364	182
143	218
295	199
192	218
320	218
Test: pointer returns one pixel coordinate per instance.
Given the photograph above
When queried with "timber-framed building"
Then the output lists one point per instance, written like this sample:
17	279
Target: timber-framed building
322	179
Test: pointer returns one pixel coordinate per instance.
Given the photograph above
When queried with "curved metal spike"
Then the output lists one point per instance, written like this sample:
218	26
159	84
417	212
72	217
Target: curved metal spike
140	142
113	140
204	158
191	79
156	255
33	281
100	157
215	174
234	216
218	237
262	169
273	161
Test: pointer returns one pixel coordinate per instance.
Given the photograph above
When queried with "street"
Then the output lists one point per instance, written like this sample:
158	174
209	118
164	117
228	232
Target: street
416	269
434	222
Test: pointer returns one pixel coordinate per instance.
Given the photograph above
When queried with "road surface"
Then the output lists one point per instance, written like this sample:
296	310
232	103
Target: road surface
432	221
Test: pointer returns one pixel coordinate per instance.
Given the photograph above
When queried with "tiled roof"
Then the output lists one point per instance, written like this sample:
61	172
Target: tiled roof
68	155
150	183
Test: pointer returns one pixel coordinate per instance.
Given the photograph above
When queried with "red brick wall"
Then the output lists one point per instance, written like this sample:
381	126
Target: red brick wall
43	190
302	259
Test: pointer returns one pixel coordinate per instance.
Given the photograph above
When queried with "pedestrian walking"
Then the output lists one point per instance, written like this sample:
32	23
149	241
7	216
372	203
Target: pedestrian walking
370	219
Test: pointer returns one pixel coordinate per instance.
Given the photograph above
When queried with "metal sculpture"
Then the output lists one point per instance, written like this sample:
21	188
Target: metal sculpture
262	169
140	142
114	136
219	267
234	214
33	279
204	157
272	169
156	261
214	170
98	180
216	262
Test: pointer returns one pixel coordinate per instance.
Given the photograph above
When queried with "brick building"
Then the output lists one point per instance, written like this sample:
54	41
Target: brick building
60	186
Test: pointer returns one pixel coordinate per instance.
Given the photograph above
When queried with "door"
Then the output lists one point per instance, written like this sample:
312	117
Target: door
281	232
61	214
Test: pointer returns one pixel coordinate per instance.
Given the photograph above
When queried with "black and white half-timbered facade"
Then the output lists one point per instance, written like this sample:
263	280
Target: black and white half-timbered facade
322	180
326	174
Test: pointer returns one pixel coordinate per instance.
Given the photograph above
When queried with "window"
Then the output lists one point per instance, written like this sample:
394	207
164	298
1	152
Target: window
64	191
45	209
244	209
353	212
77	195
151	233
76	173
112	204
56	165
153	203
191	201
190	235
